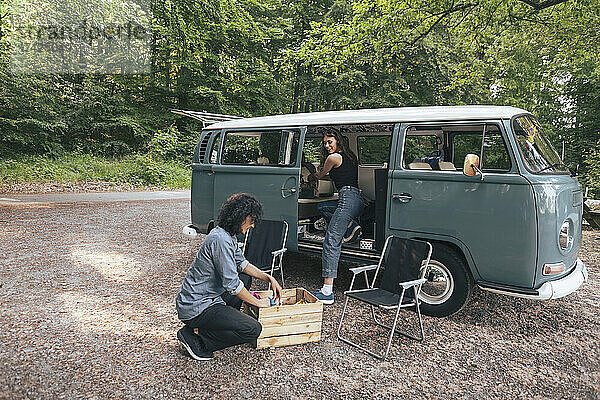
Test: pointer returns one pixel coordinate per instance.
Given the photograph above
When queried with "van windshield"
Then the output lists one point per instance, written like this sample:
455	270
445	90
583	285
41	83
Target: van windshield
537	152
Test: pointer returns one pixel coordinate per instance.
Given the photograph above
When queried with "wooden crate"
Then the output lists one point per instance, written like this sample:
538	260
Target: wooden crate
289	323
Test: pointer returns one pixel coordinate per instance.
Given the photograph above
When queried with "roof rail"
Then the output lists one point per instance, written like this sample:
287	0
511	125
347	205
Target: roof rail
205	117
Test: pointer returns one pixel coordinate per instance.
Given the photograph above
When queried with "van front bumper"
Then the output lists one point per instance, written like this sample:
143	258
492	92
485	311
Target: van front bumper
553	289
565	285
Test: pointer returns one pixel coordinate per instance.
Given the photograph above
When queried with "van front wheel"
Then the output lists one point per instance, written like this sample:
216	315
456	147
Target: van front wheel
449	283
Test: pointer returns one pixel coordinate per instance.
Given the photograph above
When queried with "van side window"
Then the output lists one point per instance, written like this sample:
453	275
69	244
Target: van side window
268	148
214	150
418	146
312	148
495	154
373	150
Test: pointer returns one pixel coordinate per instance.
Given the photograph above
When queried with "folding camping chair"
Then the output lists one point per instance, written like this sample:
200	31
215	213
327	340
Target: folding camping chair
264	246
403	261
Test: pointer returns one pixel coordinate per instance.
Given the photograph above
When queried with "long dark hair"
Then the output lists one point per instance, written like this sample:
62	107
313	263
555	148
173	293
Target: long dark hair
342	143
235	210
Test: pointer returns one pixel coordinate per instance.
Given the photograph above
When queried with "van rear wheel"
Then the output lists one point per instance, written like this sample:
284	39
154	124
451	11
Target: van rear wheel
449	283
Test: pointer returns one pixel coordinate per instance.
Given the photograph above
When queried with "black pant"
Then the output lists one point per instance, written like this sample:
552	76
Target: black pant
235	301
221	326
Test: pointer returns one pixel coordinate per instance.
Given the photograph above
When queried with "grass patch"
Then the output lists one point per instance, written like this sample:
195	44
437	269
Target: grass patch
138	170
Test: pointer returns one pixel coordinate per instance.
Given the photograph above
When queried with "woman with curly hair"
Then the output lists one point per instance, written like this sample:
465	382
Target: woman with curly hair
217	282
342	165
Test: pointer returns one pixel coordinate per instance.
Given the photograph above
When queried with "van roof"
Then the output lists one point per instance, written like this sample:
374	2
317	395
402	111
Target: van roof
377	115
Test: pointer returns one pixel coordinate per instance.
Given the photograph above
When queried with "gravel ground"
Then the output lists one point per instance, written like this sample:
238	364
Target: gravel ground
71	187
86	305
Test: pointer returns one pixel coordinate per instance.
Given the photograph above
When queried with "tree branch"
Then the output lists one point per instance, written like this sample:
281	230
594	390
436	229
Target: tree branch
442	15
540	5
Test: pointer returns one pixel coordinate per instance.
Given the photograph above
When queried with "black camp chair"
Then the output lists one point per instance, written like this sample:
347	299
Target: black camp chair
402	261
264	246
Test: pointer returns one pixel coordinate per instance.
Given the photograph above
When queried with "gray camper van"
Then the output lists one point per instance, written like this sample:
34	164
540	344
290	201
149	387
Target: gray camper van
481	183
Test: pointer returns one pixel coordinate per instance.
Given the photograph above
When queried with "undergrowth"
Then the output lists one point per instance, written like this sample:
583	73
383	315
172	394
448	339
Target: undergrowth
137	169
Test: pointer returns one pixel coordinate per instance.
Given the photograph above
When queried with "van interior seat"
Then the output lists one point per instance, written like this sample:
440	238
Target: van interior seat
446	166
262	161
419	165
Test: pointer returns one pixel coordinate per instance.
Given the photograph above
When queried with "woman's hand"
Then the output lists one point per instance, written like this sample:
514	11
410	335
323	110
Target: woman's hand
276	288
264	303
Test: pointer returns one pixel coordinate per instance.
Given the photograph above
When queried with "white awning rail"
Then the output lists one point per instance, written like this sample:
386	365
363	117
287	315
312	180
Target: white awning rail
205	117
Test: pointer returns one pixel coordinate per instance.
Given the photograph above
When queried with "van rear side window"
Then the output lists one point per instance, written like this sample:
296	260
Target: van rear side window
373	150
268	148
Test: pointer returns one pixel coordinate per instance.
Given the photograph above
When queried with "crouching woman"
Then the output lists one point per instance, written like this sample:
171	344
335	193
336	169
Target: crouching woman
218	281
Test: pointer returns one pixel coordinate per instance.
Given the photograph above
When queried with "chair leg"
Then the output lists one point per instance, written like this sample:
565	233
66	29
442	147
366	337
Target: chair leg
387	350
419	314
351	343
280	270
405	334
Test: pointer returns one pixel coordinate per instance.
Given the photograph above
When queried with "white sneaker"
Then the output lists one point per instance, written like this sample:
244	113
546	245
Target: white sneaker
320	224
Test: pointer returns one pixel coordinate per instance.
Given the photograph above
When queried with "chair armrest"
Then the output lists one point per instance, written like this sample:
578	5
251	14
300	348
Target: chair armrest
241	245
280	251
358	270
409	284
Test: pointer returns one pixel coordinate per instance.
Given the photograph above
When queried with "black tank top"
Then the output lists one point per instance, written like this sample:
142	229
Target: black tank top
346	174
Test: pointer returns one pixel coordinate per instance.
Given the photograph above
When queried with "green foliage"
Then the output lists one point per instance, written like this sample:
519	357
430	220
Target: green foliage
312	149
374	150
260	57
171	144
592	164
139	169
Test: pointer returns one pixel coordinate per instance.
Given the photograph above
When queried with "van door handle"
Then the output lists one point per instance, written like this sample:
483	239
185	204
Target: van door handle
287	192
403	197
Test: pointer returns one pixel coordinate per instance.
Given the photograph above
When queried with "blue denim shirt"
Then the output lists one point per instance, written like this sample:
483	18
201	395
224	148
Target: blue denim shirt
215	269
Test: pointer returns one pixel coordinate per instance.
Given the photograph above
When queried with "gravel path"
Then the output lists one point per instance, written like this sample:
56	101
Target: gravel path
86	305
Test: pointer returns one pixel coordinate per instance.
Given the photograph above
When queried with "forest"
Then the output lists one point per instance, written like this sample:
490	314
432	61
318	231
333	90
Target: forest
262	57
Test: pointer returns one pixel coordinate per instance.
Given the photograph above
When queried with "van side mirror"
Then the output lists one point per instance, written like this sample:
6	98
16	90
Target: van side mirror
471	166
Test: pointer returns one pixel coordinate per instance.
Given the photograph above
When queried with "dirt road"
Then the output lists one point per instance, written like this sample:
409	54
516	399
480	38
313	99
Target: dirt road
86	311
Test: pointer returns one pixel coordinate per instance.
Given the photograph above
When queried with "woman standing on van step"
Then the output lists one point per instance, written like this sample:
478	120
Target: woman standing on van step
342	165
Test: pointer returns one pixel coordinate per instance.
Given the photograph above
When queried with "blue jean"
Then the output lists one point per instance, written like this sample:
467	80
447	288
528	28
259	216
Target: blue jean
338	214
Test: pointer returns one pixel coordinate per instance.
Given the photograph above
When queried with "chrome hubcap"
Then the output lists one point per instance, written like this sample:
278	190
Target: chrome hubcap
439	286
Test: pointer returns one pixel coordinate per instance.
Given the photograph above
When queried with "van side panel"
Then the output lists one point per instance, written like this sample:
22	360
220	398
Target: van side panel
494	219
202	193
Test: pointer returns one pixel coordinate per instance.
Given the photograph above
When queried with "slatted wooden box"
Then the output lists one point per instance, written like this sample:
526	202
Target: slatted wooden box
290	323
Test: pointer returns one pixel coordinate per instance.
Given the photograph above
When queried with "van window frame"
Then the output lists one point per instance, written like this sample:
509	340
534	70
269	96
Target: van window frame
294	129
424	133
485	168
214	136
358	137
523	160
512	158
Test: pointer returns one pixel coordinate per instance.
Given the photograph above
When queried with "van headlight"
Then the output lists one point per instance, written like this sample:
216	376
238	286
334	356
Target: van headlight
565	236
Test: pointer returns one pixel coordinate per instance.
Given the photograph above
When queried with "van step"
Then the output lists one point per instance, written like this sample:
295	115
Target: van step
346	253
